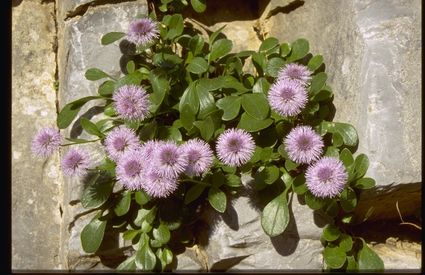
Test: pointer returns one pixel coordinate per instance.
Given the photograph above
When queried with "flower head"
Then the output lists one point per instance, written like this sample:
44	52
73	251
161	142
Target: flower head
303	144
235	147
326	178
131	169
131	102
169	160
199	156
142	31
76	162
295	72
120	140
157	185
148	148
287	97
46	141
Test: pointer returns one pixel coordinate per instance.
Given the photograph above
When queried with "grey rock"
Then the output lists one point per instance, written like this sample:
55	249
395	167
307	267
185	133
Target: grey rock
371	50
399	255
79	50
36	183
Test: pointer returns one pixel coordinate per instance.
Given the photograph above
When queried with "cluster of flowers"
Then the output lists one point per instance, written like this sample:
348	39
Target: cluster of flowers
155	166
325	176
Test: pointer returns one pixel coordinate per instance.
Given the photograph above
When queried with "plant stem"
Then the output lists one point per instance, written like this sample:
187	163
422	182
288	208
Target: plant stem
88	141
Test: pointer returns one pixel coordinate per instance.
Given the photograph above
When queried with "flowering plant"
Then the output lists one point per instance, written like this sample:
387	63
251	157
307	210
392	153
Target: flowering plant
183	97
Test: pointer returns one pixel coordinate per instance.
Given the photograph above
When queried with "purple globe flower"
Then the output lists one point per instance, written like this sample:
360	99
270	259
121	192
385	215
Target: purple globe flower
157	185
169	160
148	148
46	141
303	144
120	140
131	102
76	162
199	156
287	97
142	31
326	178
130	170
235	147
295	72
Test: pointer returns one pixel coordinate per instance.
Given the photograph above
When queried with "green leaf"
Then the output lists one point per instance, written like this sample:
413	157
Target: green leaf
174	24
256	105
290	165
352	265
206	103
111	37
141	197
217	199
96	192
160	86
134	78
260	62
196	44
92	234
215	34
332	209
70	111
331	233
187	117
162	234
198	65
322	95
145	215
130	234
298	185
169	133
193	193
230	105
190	98
123	204
364	183
145	258
199	5
285	49
274	65
347	131
107	88
95	74
332	151
300	49
348	199
268	175
337	140
128	265
347	218
335	257
233	180
317	82
269	44
205	127
262	86
368	260
314	202
345	242
131	66
346	157
252	124
315	62
360	165
275	216
220	48
90	127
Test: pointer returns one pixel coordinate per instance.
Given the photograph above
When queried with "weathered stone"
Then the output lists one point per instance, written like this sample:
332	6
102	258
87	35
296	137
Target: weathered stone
79	50
36	183
399	255
371	51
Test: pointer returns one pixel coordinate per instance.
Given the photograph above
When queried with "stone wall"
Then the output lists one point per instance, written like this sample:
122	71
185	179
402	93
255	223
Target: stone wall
371	50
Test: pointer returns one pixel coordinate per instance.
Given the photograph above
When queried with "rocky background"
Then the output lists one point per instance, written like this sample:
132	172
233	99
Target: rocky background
372	50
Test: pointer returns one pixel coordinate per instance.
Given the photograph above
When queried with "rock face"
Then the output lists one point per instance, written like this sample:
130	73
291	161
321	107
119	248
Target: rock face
79	50
371	50
36	183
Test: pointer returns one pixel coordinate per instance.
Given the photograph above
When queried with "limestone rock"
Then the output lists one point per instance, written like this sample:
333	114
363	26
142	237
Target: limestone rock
36	183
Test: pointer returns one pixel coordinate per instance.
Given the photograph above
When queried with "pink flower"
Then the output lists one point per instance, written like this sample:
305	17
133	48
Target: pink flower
235	147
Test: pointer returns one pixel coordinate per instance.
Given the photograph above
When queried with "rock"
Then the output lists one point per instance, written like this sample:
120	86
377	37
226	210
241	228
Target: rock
36	183
400	255
79	50
370	49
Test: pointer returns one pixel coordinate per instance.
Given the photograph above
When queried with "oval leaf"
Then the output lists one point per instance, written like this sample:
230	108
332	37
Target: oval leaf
275	216
111	37
230	105
300	49
90	127
252	124
95	74
256	105
335	257
145	258
364	183
348	200
92	235
315	63
197	65
220	48
193	193
123	204
96	192
161	234
128	265
199	5
368	260
269	44
331	233
217	199
70	111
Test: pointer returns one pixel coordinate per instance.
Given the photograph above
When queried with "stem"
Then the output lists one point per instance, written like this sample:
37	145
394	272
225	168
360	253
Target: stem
88	141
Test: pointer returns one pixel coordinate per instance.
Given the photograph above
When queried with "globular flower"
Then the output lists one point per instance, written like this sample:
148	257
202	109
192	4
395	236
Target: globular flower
120	140
303	144
131	169
287	97
295	72
169	160
142	31
46	141
131	102
158	185
148	148
76	162
326	178
199	156
235	147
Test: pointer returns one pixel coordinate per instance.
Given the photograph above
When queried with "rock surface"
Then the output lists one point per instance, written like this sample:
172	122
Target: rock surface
371	50
36	183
